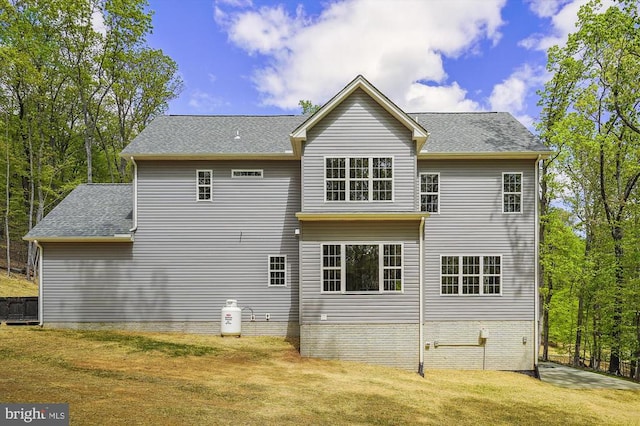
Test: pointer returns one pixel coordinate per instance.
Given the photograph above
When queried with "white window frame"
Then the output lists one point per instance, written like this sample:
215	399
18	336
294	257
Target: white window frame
270	270
381	267
238	173
437	193
370	179
482	275
198	185
520	193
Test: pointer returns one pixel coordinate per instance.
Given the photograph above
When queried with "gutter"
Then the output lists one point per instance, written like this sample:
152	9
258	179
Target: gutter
40	282
135	195
421	306
536	313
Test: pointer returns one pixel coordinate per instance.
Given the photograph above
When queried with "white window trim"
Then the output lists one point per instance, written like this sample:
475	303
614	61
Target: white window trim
198	186
343	272
506	193
460	275
269	270
370	180
239	176
429	193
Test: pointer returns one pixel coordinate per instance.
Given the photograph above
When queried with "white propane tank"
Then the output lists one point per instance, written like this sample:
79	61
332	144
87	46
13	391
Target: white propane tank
231	319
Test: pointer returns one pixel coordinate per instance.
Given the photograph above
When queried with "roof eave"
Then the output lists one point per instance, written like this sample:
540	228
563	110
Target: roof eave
495	155
287	155
361	216
117	238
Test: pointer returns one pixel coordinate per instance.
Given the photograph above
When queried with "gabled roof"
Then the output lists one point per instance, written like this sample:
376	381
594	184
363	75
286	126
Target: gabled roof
299	135
91	212
437	135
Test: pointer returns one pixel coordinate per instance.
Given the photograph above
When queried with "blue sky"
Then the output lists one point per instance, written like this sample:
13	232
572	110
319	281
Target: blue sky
262	57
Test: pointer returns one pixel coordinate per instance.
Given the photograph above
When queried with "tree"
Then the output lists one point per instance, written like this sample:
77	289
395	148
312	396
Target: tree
598	69
76	93
308	107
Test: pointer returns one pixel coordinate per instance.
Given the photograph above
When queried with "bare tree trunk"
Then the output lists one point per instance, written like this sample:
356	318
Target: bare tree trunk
545	319
576	353
31	203
7	196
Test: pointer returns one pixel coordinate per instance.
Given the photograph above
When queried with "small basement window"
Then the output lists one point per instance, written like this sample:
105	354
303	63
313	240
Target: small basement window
254	173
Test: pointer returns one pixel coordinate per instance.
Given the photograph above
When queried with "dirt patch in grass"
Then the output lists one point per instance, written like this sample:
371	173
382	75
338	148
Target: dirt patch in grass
155	378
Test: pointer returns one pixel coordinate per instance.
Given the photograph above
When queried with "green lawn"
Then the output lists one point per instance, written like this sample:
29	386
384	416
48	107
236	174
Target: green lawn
16	286
153	378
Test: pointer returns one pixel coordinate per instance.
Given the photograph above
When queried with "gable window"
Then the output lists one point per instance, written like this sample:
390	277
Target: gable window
430	192
359	179
512	192
204	182
360	268
277	271
469	275
246	173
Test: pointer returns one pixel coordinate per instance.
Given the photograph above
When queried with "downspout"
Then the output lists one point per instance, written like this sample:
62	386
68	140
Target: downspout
135	195
40	282
421	305
536	314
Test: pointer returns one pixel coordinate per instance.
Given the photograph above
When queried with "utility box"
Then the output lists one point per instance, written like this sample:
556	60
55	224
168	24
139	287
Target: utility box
484	333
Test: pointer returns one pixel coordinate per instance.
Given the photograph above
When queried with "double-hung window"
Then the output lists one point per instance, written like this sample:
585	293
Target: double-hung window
430	192
512	192
359	179
360	268
468	275
277	271
204	184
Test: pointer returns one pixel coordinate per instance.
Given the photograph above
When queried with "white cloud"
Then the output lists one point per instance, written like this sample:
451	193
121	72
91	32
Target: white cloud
97	22
563	15
398	46
204	102
511	94
422	97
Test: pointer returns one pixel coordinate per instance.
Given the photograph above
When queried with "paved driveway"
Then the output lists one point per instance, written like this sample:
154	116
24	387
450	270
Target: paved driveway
569	377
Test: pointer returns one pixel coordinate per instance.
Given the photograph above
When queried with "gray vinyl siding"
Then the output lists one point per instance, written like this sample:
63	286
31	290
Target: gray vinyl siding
358	308
359	126
471	222
188	256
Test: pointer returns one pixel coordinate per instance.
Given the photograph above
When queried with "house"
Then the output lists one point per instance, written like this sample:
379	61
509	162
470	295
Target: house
374	235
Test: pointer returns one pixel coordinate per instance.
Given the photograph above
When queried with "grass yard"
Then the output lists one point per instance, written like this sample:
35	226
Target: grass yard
153	378
16	286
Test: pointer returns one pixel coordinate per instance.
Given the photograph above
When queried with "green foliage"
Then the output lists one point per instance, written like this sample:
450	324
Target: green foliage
591	116
75	91
308	107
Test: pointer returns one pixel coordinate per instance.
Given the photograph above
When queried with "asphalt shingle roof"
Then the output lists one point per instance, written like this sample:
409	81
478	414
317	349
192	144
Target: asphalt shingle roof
90	210
223	134
478	132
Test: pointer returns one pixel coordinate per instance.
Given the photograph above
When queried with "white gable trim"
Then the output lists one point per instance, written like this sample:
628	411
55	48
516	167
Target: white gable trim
299	135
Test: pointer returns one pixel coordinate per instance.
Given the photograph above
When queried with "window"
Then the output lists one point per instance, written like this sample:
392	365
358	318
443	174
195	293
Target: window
277	270
246	173
359	268
335	179
204	183
471	275
359	179
430	192
512	192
